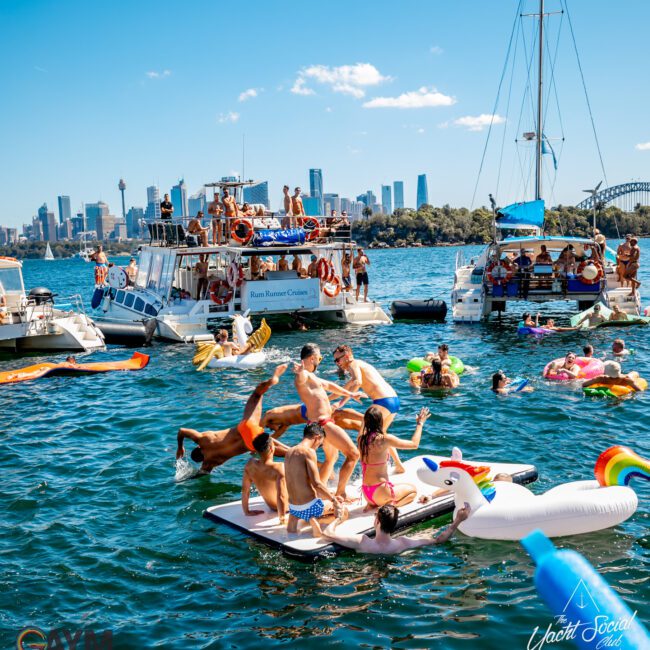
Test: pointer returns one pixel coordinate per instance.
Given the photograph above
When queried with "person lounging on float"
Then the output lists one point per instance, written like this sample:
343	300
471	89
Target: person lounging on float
527	321
385	524
614	377
593	318
569	367
434	377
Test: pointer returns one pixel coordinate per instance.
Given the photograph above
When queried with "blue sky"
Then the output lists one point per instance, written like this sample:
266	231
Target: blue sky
156	91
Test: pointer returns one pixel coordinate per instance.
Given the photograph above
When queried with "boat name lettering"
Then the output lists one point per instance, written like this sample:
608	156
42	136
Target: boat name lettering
278	294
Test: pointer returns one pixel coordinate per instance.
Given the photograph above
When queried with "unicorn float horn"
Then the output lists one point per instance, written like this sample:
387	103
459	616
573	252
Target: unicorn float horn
618	465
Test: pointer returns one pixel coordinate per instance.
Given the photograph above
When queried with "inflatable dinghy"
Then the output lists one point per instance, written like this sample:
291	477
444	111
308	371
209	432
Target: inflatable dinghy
430	309
137	362
302	546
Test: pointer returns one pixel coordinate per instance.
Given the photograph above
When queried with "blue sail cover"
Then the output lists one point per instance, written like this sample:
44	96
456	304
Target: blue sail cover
521	215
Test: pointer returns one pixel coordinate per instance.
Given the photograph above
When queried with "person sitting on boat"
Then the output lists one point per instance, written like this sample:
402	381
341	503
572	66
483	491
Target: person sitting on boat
527	321
381	543
267	477
434	377
588	351
216	447
216	212
619	349
593	318
247	210
567	260
622	258
101	265
296	264
617	313
283	263
194	227
312	269
544	257
309	498
374	445
201	273
614	377
131	271
3	304
568	367
524	261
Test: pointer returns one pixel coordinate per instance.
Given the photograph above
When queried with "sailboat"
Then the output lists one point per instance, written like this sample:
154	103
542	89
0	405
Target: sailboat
48	253
84	252
522	263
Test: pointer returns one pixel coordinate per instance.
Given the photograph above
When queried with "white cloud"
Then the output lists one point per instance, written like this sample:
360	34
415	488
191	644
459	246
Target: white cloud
422	98
479	122
299	88
642	146
225	118
153	74
420	130
328	109
347	79
251	93
436	49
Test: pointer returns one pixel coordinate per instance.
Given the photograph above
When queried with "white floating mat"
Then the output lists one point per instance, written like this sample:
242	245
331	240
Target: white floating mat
303	546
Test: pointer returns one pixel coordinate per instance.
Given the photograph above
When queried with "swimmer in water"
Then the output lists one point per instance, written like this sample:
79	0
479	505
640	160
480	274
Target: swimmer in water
618	349
501	385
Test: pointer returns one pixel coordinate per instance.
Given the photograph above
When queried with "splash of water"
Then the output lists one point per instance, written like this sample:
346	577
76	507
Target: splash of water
184	470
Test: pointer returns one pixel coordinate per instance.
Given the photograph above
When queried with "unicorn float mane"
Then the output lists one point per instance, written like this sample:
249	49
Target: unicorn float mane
619	465
480	476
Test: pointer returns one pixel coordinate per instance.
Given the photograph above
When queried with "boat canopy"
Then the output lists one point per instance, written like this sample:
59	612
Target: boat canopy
521	215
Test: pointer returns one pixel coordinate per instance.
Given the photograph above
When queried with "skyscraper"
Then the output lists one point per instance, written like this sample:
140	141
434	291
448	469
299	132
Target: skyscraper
93	212
122	186
196	202
133	218
386	201
153	204
423	192
47	222
331	202
398	194
179	199
316	186
371	199
312	206
258	193
64	208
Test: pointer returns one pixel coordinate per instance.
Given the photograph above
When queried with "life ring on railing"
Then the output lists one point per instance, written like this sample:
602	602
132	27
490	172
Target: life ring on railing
325	270
332	287
311	227
241	230
234	275
599	271
215	292
499	272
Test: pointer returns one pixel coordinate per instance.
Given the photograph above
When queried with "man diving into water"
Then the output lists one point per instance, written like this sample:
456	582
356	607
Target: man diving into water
216	447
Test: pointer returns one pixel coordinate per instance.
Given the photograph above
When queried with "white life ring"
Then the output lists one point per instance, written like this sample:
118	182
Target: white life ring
234	275
117	277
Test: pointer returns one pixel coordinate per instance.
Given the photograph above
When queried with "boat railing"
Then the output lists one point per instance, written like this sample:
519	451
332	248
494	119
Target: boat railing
241	230
460	258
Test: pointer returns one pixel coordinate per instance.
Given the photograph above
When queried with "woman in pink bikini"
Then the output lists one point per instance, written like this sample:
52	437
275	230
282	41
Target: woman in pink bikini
374	447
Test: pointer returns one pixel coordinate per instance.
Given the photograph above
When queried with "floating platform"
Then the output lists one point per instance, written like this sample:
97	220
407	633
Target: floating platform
302	546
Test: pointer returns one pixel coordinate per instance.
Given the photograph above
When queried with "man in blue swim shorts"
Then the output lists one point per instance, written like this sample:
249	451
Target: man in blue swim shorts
368	379
309	498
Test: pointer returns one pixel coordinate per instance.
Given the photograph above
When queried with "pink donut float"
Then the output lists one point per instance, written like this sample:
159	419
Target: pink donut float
589	368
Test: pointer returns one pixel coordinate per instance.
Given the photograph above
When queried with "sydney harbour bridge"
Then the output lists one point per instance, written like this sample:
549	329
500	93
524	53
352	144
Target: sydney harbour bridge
626	196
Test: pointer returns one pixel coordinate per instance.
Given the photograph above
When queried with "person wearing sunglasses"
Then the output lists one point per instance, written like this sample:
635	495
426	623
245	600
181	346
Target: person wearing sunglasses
313	392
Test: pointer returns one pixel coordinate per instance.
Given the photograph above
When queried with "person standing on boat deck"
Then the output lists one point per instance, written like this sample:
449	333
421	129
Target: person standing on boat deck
267	477
312	269
194	227
283	263
600	239
622	258
296	264
297	208
309	498
216	212
544	257
101	265
288	221
231	210
633	266
346	263
367	378
313	394
166	208
131	271
360	263
524	264
201	272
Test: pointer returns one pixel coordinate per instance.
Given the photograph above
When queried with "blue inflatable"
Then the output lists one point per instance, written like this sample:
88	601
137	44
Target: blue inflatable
287	237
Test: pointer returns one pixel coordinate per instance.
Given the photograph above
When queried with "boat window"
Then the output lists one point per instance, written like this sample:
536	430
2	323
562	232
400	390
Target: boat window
139	304
144	263
111	293
149	309
128	301
120	296
155	272
11	279
166	275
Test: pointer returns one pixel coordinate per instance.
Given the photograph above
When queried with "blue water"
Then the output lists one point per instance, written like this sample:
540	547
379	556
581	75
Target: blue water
97	534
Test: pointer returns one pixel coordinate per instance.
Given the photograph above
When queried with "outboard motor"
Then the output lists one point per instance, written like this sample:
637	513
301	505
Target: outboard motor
40	296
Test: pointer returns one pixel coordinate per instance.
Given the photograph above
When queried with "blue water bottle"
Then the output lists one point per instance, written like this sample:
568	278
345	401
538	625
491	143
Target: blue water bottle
587	611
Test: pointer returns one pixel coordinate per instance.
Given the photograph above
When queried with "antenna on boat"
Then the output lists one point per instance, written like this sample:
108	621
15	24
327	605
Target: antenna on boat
593	196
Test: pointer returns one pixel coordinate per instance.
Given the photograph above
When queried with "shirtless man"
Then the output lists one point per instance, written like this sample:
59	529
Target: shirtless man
194	227
633	266
296	264
229	348
288	221
367	378
201	272
267	477
613	376
313	394
230	209
360	263
216	447
305	487
280	418
216	211
593	318
297	208
617	314
283	263
622	258
346	263
312	269
101	265
385	523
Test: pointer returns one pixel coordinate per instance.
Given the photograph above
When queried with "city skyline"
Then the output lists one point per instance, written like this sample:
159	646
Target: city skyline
376	109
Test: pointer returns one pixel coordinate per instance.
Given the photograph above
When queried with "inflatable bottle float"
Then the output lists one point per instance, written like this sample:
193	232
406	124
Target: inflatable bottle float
210	355
508	511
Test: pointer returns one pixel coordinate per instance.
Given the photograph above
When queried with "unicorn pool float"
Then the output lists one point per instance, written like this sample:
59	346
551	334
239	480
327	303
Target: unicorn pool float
508	511
211	355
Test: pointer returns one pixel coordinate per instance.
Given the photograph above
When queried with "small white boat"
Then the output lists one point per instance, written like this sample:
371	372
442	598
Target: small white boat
48	253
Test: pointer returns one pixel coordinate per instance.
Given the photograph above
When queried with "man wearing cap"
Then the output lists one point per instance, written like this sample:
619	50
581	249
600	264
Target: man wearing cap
312	269
614	377
524	263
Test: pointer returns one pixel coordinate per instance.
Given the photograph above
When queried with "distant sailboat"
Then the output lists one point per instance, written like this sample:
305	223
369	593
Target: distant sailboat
48	253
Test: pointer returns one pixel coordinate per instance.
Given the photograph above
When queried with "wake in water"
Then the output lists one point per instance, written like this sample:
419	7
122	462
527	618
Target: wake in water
184	470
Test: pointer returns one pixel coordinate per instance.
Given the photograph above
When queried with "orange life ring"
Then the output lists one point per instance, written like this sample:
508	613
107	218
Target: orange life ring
215	296
239	225
335	282
325	270
500	276
11	259
584	264
234	275
311	227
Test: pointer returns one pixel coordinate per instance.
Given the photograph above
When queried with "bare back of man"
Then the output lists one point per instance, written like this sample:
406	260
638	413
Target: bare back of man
280	418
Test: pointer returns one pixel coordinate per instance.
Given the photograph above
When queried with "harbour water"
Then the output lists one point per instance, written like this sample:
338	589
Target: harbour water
97	534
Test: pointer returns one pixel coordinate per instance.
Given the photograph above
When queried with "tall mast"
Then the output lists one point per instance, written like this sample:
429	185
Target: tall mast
538	160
